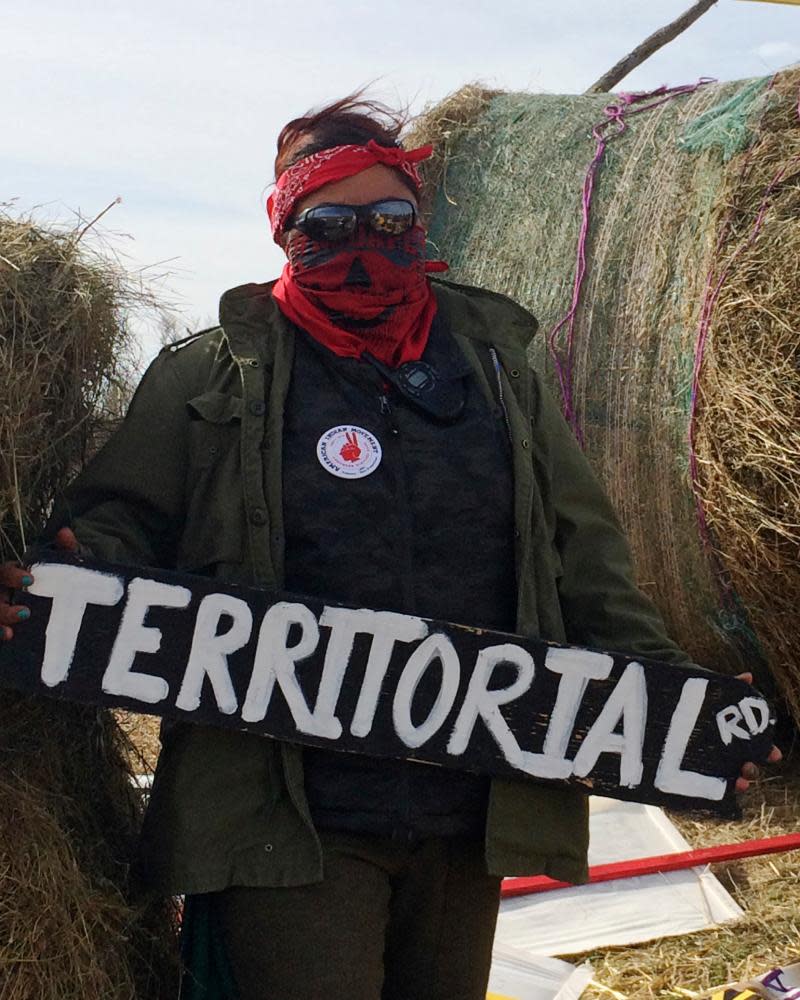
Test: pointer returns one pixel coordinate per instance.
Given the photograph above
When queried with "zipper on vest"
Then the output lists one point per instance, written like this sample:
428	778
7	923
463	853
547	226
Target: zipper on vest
386	412
403	508
500	393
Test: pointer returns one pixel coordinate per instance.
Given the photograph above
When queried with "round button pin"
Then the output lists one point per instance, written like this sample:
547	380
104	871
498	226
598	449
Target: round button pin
349	452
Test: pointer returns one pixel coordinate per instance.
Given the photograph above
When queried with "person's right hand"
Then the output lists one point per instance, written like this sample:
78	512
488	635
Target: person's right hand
13	577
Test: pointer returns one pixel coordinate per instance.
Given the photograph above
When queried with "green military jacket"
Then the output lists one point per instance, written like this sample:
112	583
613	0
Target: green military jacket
192	481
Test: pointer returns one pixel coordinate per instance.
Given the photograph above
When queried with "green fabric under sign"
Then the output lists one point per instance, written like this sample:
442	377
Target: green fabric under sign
207	973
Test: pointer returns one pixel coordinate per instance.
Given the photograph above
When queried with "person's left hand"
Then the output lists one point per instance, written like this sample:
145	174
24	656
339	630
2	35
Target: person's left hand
750	770
14	578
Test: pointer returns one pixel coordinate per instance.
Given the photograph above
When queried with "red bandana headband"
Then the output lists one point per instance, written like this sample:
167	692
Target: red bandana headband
312	172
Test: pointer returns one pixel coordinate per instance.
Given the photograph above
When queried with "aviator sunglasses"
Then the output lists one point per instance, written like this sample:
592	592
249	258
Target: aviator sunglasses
330	223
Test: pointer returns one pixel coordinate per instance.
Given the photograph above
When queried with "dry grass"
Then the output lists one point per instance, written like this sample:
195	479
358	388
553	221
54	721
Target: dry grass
143	741
72	923
443	125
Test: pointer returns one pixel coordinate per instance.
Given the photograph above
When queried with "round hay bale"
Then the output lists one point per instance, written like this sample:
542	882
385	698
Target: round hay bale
72	924
679	363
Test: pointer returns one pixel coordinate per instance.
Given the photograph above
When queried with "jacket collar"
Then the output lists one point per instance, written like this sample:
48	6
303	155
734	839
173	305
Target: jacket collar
483	315
252	321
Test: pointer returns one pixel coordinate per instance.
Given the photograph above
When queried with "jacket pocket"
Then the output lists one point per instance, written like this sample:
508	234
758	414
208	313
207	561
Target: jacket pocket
215	419
213	533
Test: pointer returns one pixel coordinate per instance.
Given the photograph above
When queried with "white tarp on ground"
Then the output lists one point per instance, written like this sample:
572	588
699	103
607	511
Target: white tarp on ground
517	976
627	911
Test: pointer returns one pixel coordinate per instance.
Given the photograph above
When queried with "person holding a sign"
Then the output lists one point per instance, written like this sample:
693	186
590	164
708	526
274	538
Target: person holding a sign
364	433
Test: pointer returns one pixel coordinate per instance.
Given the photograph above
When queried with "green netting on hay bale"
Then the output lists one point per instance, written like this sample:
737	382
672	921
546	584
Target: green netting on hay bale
675	195
72	922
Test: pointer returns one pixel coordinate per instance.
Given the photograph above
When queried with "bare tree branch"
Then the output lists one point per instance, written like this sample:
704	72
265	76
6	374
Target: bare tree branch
649	46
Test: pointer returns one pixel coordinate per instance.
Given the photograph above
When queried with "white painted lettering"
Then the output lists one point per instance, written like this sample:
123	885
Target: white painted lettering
72	589
483	702
577	667
751	706
345	624
627	704
275	661
209	653
135	637
728	720
670	778
387	628
435	647
753	712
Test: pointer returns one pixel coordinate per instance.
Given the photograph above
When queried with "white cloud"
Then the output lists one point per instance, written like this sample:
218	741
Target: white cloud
779	53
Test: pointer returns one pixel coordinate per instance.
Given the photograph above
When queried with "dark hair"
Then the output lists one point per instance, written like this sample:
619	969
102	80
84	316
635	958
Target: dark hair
350	120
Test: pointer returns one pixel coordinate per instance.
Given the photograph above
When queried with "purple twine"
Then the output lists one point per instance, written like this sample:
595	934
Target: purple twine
628	104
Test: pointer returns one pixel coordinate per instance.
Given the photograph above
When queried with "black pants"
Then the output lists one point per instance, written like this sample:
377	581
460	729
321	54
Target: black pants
388	922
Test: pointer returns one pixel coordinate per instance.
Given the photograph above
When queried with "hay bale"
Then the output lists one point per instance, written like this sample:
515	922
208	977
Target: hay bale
674	205
65	363
71	922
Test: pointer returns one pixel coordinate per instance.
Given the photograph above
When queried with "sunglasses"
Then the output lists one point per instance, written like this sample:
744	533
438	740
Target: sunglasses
331	223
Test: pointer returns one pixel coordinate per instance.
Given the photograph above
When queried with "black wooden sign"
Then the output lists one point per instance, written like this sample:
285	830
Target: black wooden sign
385	684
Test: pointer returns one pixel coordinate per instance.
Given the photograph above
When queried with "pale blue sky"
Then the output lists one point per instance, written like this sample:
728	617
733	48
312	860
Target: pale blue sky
175	106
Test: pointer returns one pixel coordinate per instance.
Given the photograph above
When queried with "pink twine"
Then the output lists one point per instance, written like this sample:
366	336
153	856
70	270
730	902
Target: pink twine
614	114
711	294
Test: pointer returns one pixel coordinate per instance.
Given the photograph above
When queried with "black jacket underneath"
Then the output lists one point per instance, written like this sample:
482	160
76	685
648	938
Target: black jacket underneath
394	540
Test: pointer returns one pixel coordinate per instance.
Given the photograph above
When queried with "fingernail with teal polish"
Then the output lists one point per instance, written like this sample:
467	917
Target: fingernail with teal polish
27	581
23	613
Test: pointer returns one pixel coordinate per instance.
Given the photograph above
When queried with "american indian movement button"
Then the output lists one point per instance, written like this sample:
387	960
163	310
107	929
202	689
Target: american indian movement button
349	452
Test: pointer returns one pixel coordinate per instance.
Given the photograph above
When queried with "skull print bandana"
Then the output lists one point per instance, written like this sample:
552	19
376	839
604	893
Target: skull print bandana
370	294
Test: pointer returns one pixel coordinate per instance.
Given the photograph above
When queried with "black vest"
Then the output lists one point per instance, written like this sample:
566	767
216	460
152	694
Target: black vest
428	532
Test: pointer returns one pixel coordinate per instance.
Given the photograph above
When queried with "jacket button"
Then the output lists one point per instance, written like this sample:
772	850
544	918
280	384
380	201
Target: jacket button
267	848
526	443
258	516
258	407
514	373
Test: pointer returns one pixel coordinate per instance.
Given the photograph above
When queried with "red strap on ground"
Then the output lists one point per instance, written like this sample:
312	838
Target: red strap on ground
658	863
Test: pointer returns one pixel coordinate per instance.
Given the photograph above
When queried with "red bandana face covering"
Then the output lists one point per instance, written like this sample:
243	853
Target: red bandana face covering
369	293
